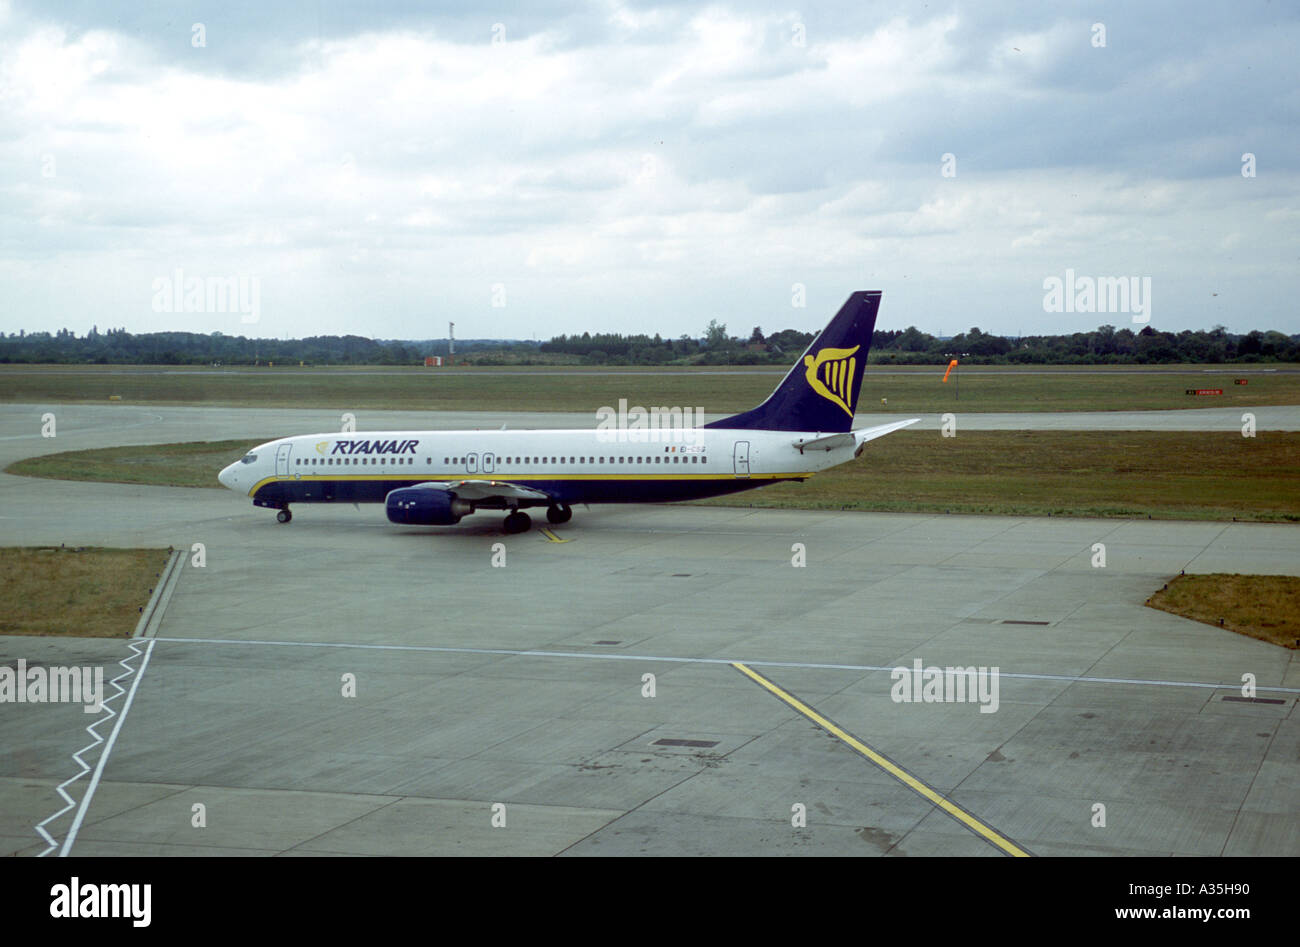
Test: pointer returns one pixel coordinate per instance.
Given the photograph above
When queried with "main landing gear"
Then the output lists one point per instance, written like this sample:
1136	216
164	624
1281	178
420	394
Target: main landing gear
284	515
518	522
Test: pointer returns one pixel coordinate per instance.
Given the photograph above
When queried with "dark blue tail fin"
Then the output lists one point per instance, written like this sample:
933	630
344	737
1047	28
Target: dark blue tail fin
821	391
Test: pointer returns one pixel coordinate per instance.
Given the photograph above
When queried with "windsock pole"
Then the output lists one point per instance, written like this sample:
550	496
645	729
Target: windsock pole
956	385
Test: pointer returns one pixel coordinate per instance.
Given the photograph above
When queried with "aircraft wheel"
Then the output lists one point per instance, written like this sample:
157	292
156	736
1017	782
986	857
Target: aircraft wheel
518	522
559	514
284	516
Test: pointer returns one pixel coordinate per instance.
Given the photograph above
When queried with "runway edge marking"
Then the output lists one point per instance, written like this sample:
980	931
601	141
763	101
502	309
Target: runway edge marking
671	659
988	833
103	757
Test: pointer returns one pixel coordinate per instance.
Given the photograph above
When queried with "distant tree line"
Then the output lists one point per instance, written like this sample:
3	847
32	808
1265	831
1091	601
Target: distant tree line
910	346
716	348
119	347
1104	346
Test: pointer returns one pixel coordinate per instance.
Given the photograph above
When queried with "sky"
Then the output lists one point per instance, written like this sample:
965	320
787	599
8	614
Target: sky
530	169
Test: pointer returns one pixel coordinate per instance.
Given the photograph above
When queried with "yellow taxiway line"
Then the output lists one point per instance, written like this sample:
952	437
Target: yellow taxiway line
988	833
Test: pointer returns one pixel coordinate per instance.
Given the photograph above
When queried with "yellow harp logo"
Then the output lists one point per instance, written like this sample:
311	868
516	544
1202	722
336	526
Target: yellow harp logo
830	374
321	446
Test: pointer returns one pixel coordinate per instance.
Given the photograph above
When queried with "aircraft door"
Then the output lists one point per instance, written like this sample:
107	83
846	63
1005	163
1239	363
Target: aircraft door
741	457
489	463
282	460
471	463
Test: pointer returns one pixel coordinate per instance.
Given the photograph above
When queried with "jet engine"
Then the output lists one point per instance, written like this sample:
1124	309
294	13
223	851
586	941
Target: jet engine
425	506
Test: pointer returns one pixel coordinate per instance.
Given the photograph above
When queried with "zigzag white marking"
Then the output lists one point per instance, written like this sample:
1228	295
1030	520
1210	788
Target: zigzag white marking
40	826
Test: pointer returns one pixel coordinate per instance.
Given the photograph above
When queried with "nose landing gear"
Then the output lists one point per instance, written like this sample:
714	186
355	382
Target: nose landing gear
284	515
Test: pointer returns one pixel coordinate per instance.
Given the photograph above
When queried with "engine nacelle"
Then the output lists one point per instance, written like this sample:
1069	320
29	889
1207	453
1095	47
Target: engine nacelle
425	506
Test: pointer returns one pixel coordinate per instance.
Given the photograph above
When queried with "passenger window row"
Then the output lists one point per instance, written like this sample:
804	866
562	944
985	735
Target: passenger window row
553	461
458	461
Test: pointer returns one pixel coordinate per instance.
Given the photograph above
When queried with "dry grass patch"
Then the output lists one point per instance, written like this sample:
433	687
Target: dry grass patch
190	464
1214	475
84	592
1266	607
912	390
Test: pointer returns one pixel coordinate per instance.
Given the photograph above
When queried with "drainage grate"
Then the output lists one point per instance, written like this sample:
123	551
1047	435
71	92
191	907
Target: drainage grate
1255	700
1017	621
607	642
702	744
681	575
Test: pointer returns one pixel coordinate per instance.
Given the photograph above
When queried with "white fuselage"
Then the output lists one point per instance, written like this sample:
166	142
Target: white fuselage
576	466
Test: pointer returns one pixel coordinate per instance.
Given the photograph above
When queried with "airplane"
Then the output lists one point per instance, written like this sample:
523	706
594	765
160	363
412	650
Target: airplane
435	478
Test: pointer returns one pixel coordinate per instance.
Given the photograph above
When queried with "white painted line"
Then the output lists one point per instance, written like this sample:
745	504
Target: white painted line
92	730
510	652
103	757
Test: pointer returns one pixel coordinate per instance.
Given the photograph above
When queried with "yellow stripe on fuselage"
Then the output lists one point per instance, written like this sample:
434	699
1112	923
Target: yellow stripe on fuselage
531	478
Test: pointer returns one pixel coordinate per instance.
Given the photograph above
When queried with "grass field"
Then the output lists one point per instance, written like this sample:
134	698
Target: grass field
1266	607
716	390
1178	475
86	592
1182	475
191	464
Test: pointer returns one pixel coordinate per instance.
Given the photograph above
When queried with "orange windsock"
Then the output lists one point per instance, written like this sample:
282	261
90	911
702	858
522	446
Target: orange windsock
951	366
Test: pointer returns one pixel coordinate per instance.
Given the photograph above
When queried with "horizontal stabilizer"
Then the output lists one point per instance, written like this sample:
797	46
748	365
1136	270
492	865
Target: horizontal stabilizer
850	438
829	442
865	435
871	433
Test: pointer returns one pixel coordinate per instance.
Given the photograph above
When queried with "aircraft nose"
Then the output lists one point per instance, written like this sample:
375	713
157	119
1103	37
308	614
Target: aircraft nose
229	477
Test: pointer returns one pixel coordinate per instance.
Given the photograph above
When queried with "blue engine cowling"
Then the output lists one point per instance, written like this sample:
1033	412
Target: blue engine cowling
425	506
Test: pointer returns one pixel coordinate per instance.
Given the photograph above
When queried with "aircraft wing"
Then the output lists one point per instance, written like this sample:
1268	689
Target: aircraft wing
850	438
478	490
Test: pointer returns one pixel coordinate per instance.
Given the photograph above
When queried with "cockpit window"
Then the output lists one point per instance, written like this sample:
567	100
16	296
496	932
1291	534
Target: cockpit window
248	458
